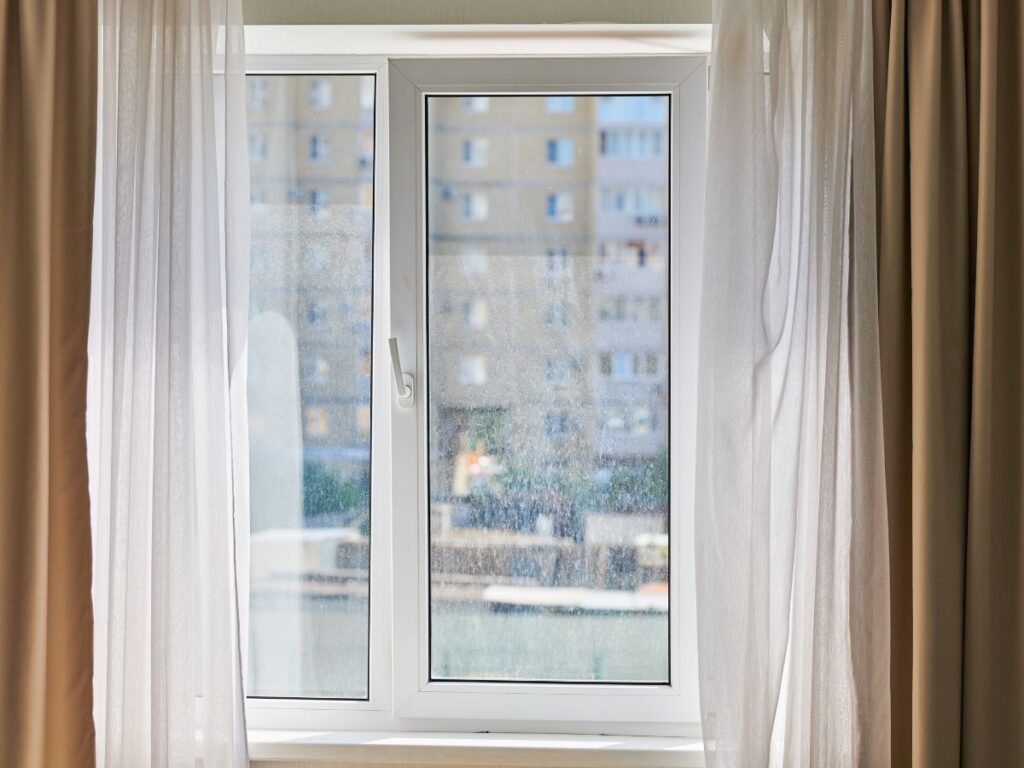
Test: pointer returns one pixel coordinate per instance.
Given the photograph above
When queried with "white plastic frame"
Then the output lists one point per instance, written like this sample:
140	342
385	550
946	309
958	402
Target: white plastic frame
410	81
401	695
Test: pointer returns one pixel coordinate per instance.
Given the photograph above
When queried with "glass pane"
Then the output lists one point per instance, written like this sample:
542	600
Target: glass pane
311	163
548	387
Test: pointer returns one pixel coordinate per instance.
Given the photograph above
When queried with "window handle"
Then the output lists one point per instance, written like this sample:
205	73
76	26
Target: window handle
404	382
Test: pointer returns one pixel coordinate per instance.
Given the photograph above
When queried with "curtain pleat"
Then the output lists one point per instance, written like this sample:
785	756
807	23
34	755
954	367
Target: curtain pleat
167	407
951	292
47	155
791	536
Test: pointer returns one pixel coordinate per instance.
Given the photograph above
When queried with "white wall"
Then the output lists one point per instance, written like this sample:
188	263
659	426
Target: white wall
476	11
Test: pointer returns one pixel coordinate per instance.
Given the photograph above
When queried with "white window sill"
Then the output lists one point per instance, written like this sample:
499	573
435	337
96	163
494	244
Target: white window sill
453	749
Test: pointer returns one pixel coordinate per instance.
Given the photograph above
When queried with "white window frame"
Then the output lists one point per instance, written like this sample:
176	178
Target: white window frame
401	696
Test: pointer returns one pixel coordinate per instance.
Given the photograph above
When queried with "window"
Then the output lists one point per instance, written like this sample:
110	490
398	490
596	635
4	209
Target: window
316	314
474	314
473	371
309	405
622	365
631	199
558	262
614	420
474	206
320	94
641	421
617	255
652	364
319	199
557	315
319	149
650	109
495	552
550	474
476	104
631	142
318	423
560	104
317	259
556	427
315	370
559	152
474	263
474	152
558	370
559	207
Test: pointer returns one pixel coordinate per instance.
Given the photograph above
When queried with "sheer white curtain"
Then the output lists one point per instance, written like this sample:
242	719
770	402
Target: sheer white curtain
791	520
166	416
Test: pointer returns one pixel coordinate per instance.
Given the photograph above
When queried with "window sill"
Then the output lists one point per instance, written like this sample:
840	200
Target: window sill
453	749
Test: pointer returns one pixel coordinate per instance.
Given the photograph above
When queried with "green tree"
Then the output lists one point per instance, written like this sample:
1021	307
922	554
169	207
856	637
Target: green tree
330	500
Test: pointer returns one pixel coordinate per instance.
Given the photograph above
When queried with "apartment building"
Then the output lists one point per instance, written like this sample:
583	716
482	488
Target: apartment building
311	145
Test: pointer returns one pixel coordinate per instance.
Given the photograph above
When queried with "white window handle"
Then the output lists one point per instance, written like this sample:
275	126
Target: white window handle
404	382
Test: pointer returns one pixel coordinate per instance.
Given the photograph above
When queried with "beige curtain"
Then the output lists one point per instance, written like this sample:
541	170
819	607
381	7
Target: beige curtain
47	150
950	116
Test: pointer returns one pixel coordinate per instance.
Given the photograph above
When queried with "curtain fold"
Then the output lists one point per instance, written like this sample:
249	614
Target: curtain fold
47	152
792	542
166	390
951	311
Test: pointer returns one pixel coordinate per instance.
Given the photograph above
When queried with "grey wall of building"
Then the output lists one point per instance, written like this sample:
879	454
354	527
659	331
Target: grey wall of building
477	11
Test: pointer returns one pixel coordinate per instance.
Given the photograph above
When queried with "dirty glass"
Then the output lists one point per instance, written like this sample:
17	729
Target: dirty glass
311	147
548	387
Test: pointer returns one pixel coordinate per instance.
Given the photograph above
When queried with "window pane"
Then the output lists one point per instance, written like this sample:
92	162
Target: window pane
547	426
309	385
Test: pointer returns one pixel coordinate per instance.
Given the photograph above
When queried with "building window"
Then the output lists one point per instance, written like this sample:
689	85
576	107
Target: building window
614	420
557	315
474	206
622	365
557	425
559	370
652	364
560	104
319	94
473	371
319	149
316	313
654	309
559	207
634	200
474	314
476	104
474	152
315	370
560	152
631	142
318	423
319	199
474	263
628	109
640	422
317	259
558	265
